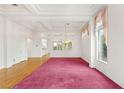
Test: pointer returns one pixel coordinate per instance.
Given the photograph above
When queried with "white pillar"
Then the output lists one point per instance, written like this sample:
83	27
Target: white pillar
92	43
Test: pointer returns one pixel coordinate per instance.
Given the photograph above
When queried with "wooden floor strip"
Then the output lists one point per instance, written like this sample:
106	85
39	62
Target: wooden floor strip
9	77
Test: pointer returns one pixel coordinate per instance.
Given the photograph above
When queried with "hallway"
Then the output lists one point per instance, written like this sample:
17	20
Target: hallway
66	73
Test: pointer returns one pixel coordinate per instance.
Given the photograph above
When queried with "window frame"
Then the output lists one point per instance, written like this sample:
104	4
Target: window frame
46	41
97	30
63	49
101	16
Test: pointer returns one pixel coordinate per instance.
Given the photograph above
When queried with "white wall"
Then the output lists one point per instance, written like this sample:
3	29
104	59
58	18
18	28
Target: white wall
1	42
37	51
114	69
85	44
29	46
17	36
13	42
36	47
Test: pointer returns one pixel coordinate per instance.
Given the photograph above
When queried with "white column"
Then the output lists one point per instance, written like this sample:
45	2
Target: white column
92	43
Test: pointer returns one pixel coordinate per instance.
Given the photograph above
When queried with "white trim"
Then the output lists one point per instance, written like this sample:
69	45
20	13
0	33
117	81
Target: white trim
102	61
91	65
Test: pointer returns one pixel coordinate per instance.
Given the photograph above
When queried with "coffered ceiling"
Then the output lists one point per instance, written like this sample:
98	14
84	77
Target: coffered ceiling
50	17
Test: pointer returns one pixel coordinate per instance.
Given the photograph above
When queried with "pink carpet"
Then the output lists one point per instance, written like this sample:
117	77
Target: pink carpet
66	73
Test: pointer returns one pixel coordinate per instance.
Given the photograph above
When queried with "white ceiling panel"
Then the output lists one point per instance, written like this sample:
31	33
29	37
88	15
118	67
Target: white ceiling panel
50	17
13	9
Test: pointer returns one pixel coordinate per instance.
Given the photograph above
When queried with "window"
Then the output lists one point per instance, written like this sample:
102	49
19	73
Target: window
101	36
62	45
85	30
44	44
101	45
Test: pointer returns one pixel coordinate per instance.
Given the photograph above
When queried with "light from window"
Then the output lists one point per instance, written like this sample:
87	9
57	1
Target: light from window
44	44
62	45
101	42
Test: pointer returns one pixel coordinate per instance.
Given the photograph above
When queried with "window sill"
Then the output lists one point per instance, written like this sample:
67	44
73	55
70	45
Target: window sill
100	61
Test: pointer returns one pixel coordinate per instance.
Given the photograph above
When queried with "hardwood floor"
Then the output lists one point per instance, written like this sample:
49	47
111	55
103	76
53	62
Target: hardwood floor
9	77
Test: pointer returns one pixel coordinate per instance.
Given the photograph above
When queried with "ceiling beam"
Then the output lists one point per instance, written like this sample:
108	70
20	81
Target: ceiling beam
44	26
31	8
51	18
